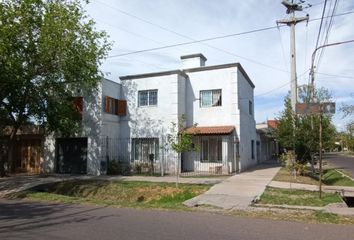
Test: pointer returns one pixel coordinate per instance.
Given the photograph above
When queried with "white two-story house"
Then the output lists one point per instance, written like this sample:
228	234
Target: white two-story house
219	99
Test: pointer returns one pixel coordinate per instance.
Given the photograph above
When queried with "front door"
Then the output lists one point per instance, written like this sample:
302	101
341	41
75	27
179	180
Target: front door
72	155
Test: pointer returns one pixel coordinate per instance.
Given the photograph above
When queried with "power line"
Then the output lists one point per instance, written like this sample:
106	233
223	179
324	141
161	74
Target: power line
279	87
282	48
193	42
180	34
334	75
322	17
212	38
329	28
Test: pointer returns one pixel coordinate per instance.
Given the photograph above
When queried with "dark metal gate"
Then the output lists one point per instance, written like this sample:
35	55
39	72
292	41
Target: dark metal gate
72	155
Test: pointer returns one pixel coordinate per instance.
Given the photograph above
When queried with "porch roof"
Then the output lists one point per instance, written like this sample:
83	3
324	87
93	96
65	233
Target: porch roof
210	130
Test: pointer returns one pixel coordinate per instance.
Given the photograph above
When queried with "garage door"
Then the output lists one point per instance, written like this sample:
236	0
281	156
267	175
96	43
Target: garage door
72	155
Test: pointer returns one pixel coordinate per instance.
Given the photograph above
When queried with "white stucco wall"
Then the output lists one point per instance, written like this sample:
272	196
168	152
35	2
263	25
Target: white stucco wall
95	125
110	122
226	114
153	121
150	121
247	131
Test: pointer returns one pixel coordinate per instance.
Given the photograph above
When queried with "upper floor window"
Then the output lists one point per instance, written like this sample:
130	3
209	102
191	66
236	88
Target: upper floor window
78	104
210	98
115	106
147	98
250	107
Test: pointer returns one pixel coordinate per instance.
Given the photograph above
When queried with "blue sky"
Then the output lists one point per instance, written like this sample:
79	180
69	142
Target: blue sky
143	24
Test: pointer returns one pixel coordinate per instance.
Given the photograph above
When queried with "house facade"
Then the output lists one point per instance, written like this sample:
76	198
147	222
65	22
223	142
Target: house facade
219	99
129	122
87	152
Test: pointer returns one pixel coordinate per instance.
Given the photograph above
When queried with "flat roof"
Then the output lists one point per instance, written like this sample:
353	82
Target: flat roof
153	74
184	72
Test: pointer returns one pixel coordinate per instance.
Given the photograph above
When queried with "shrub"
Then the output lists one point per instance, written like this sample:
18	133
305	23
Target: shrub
118	168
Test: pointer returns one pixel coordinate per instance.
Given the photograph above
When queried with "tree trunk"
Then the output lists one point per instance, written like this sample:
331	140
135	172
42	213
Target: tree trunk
2	162
11	150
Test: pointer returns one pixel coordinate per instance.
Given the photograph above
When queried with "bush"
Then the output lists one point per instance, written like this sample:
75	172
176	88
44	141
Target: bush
118	168
301	168
141	167
138	168
288	161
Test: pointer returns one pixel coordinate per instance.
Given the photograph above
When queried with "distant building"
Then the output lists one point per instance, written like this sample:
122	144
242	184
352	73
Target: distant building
267	146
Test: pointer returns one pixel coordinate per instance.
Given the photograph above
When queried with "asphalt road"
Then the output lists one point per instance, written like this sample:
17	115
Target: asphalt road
25	220
340	161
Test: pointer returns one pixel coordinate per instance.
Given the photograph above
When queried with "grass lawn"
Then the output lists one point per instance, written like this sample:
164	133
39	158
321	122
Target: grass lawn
331	177
116	193
297	197
307	216
284	176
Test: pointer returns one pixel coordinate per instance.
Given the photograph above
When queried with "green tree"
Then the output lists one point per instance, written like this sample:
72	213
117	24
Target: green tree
180	140
303	137
48	49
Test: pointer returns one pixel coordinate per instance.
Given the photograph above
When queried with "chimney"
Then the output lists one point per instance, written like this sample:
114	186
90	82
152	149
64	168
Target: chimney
193	61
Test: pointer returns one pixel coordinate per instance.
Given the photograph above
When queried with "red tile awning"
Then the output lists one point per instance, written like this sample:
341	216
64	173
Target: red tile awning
212	130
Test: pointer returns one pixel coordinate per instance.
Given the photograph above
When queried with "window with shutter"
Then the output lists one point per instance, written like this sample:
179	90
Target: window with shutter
115	106
78	105
122	108
106	105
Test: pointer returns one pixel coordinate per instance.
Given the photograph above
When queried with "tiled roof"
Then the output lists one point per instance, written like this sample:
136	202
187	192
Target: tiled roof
211	130
273	124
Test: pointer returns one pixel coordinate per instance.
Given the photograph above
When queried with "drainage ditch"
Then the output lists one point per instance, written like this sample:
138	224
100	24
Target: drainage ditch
349	201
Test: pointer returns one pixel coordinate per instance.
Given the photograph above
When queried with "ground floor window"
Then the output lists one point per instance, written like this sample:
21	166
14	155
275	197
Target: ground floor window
143	147
211	149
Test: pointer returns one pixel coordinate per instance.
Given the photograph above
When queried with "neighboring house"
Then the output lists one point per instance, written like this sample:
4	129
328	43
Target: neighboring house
88	152
267	146
218	98
28	154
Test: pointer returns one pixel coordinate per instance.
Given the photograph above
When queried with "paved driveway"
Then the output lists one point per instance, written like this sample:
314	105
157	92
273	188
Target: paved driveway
238	191
43	221
341	161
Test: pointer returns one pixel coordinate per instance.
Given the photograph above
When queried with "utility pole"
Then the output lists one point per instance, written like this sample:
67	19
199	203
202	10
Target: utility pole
320	153
291	22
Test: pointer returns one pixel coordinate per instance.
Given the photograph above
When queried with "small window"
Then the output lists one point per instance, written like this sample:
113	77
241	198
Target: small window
250	107
147	98
210	98
252	148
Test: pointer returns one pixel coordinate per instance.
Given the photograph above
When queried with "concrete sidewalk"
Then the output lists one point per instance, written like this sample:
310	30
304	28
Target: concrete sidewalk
237	192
